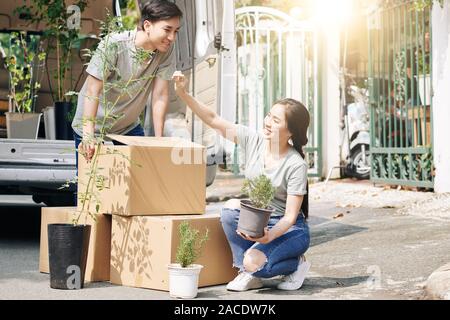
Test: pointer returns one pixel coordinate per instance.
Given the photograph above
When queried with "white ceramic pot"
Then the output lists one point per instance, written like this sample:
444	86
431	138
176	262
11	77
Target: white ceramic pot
183	282
22	125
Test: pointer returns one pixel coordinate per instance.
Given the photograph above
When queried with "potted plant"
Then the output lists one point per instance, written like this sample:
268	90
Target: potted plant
62	36
68	245
22	63
184	275
255	212
68	273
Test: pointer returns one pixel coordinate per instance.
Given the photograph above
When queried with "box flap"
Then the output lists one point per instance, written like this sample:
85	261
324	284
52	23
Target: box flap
162	142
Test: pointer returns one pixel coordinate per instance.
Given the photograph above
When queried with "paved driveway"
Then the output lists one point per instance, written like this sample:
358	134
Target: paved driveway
367	253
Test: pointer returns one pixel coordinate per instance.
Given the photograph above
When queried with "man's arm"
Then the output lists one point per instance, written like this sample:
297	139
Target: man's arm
93	90
160	104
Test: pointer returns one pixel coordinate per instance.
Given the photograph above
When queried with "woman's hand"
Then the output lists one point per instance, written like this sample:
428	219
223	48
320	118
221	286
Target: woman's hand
266	238
180	82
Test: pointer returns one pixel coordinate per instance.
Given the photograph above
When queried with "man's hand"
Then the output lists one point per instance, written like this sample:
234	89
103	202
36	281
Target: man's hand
87	149
180	82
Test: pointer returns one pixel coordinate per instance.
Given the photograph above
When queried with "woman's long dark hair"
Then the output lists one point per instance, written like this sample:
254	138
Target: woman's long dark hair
297	118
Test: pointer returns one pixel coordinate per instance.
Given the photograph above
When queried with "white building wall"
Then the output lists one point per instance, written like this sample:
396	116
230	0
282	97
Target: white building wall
330	98
441	98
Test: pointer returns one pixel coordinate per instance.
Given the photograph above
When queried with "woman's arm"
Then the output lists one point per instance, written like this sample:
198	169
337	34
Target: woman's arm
209	117
293	205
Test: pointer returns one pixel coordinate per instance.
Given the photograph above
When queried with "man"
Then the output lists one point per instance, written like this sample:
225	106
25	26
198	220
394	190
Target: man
156	33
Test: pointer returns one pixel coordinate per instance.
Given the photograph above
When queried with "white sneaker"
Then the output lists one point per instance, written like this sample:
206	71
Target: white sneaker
294	281
244	281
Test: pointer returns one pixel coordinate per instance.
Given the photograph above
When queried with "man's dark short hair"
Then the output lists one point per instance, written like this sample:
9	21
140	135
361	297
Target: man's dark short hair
156	10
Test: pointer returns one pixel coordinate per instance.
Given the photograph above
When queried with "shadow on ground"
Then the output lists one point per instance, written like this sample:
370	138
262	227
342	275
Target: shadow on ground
325	230
311	286
20	222
314	285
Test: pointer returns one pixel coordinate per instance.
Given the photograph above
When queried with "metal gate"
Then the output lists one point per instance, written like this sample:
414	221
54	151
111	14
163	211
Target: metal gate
278	58
400	94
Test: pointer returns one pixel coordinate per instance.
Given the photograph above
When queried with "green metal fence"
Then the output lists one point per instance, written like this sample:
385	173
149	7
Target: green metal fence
278	58
400	95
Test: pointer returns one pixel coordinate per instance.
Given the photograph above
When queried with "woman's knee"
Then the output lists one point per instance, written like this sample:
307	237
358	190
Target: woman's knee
232	204
227	216
254	260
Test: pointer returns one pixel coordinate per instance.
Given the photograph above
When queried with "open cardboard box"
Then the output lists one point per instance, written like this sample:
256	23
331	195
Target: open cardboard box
149	176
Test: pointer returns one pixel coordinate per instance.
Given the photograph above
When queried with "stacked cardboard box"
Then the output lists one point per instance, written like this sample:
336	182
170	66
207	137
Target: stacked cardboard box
149	176
151	185
143	246
99	252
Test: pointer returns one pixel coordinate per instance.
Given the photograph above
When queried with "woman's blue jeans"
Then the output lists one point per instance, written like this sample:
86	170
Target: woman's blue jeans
282	253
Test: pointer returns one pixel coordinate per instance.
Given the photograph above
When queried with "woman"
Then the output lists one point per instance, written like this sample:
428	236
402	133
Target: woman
156	33
276	152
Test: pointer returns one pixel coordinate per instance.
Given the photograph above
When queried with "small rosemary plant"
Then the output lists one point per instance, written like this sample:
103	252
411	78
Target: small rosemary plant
260	191
191	244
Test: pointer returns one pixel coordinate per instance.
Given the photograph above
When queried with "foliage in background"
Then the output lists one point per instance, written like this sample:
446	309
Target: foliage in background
61	37
23	63
260	191
420	5
130	13
191	243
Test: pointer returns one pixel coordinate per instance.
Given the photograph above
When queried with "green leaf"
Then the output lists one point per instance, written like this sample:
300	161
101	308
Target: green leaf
190	244
260	191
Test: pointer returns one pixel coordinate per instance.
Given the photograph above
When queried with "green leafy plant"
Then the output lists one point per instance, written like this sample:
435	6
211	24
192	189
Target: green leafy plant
423	61
130	13
21	63
421	5
61	35
260	190
191	244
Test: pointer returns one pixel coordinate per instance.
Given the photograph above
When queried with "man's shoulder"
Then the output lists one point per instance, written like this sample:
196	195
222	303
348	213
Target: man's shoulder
123	36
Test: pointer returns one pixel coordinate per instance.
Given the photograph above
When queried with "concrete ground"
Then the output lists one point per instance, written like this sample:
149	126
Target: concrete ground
357	251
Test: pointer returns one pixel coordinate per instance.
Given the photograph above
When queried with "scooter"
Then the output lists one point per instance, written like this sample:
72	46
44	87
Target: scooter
357	123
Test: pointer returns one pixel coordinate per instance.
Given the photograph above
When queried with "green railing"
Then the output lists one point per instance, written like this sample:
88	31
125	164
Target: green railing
278	58
400	95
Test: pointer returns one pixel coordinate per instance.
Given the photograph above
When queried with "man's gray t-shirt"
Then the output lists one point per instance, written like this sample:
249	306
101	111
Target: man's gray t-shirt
289	177
122	66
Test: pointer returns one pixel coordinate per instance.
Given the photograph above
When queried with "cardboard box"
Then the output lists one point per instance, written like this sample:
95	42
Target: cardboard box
150	176
142	247
97	266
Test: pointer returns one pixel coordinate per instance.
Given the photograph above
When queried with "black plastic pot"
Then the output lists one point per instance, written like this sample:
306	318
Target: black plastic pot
62	122
68	249
252	220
